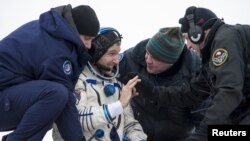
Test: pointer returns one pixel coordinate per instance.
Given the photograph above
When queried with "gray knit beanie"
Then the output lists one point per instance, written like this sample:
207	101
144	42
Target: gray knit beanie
166	45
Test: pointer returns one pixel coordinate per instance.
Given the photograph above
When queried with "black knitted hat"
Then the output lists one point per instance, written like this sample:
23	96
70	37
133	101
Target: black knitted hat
203	17
86	20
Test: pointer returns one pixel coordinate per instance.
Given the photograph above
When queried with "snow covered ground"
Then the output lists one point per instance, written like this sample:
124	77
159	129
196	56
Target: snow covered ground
48	136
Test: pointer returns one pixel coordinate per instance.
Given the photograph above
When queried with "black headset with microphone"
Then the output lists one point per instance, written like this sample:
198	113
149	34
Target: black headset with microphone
195	32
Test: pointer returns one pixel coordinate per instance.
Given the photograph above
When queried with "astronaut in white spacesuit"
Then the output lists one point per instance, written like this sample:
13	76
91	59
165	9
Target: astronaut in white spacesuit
102	101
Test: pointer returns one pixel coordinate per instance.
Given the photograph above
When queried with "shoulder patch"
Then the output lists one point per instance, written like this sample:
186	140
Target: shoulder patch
219	57
67	67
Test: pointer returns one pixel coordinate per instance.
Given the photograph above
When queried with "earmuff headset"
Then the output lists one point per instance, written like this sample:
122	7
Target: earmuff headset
195	32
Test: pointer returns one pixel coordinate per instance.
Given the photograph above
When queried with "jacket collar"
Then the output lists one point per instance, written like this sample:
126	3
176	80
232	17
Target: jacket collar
206	51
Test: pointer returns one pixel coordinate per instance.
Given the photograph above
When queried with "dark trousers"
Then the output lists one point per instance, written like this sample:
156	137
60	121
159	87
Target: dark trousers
31	108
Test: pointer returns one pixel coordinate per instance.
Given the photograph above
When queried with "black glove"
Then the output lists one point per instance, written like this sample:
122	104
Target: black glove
145	87
125	78
199	134
201	85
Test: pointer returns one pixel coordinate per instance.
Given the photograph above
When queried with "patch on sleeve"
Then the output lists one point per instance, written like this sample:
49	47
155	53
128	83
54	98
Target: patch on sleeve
67	67
219	57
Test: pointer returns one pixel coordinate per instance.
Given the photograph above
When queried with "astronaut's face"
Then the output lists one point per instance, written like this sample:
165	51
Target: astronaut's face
110	58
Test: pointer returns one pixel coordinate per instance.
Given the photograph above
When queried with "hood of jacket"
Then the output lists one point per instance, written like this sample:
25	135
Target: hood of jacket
139	51
59	23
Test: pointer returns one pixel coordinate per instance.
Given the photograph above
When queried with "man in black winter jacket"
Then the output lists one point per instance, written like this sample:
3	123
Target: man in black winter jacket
163	63
225	68
40	63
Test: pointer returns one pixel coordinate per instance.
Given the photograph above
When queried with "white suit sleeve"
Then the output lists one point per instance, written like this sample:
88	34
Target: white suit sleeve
133	129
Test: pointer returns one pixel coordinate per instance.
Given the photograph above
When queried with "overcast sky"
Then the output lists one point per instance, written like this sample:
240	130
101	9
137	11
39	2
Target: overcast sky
134	19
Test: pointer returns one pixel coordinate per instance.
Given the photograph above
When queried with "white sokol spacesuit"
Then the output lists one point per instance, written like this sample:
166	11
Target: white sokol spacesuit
95	110
101	113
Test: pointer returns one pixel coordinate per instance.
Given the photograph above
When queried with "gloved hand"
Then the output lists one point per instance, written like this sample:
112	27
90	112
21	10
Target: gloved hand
145	87
199	134
201	85
124	78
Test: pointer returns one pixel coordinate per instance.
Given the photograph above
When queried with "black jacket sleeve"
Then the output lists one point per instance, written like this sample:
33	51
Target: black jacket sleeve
184	95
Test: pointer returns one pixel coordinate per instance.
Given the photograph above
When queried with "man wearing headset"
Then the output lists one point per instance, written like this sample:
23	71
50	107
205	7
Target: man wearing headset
224	75
103	102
